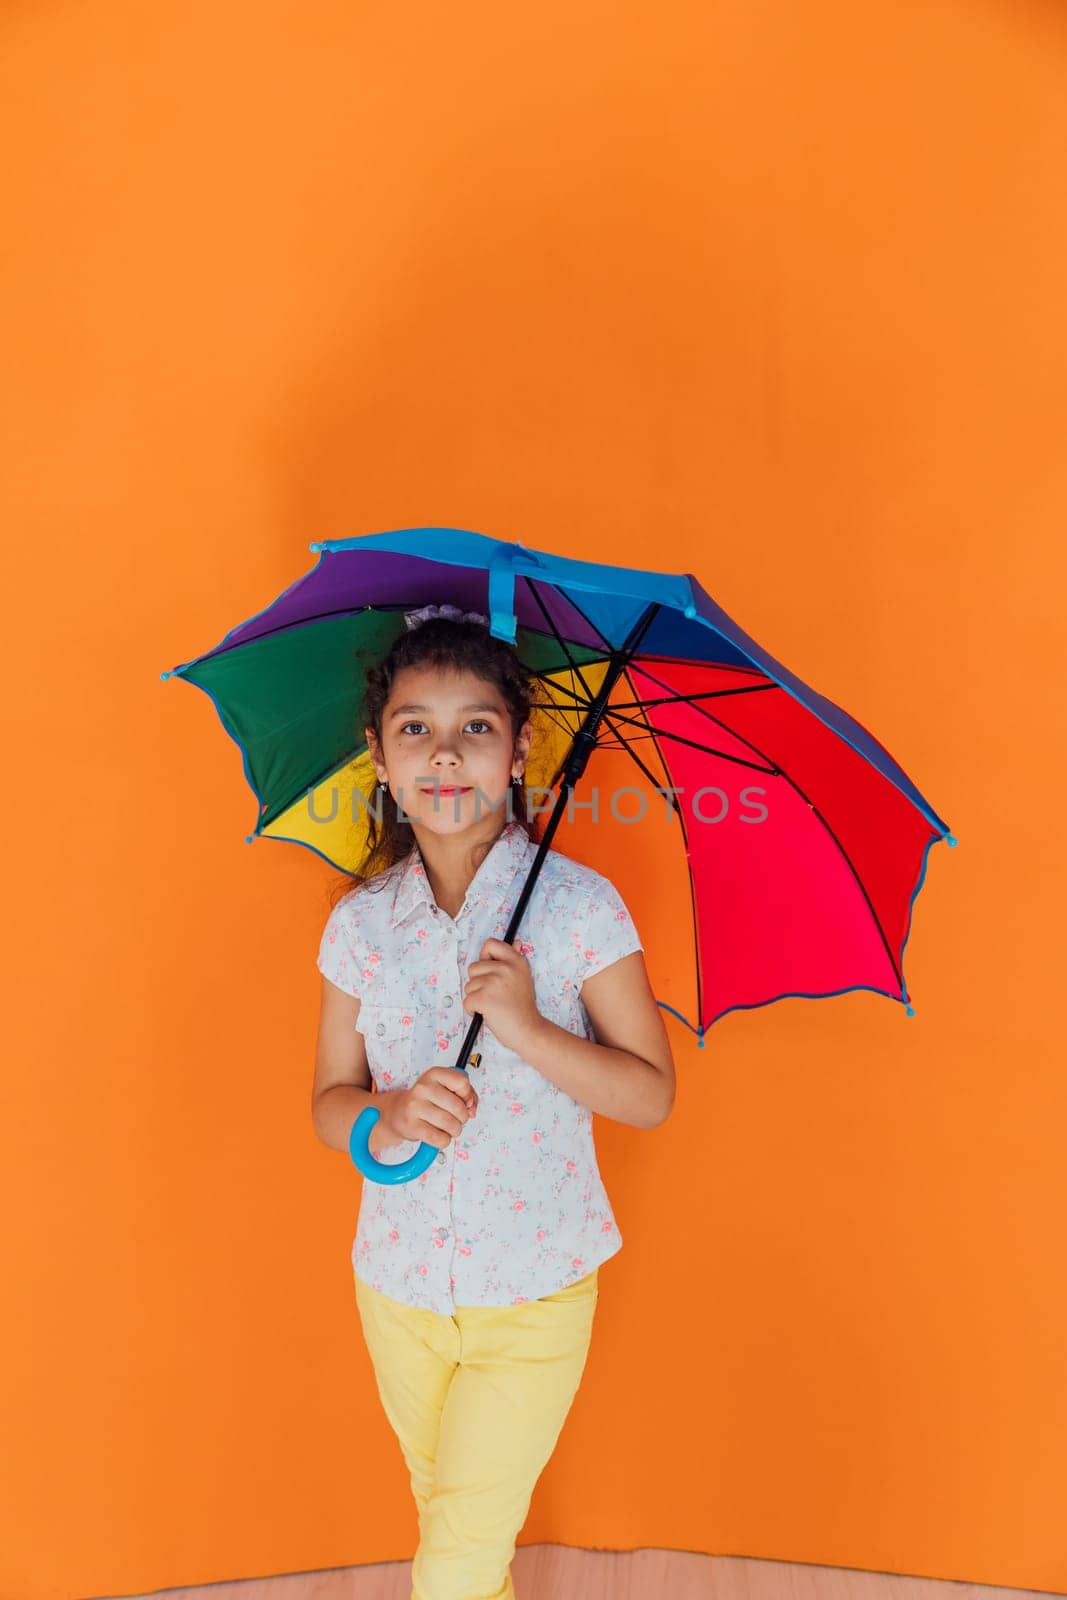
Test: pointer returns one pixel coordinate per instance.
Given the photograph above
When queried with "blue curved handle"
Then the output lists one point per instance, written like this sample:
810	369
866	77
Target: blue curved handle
384	1171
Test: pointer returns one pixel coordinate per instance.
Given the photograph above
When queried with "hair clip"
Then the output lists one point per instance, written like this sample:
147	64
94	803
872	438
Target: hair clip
414	619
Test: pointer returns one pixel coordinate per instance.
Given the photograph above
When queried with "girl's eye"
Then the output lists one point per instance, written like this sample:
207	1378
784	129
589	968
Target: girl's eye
414	723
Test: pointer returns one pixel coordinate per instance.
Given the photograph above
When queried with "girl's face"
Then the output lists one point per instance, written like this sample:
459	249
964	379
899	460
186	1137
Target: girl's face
446	736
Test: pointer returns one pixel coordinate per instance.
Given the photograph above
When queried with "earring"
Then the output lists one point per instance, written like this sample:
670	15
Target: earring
382	785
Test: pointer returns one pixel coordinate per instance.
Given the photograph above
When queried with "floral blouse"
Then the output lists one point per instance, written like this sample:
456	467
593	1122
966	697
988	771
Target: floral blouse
515	1207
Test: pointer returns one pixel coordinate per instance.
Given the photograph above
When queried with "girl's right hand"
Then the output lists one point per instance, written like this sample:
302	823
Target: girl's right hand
433	1110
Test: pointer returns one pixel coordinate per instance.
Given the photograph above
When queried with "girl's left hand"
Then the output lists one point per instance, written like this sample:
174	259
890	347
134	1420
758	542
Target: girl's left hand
501	987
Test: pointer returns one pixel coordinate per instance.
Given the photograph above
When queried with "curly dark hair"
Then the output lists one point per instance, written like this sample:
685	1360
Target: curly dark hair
448	644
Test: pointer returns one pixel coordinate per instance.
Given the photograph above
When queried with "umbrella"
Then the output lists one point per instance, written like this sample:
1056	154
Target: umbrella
816	901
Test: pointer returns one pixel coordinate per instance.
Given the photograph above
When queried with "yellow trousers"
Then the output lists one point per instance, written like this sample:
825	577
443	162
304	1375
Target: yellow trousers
477	1401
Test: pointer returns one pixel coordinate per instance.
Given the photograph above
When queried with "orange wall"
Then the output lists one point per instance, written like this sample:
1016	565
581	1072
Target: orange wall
772	294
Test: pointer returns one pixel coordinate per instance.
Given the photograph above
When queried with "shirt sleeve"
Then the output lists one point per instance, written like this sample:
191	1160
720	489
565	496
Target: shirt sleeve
607	931
338	957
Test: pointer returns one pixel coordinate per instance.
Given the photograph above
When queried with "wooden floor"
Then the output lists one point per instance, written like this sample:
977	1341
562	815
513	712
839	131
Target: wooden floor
555	1572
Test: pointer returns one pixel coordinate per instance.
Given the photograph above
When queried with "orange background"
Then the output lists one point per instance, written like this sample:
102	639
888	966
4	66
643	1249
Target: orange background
771	294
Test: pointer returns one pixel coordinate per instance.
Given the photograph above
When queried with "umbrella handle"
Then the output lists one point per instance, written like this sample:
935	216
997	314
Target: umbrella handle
385	1171
425	1155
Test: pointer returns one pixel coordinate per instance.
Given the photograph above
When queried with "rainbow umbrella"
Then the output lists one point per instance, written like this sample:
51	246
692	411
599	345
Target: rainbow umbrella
814	901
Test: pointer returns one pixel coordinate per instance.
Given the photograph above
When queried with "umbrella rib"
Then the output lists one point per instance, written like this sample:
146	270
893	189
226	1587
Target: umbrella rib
625	744
552	679
608	646
705	749
551	712
619	743
688	699
575	668
680	699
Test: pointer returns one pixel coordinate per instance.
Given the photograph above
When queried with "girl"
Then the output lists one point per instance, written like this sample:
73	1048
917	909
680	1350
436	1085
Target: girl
476	1283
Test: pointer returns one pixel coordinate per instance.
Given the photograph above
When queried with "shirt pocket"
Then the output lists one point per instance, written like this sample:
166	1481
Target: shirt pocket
389	1036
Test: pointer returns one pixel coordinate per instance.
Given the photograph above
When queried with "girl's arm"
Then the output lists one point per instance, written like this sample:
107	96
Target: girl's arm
342	1087
628	1073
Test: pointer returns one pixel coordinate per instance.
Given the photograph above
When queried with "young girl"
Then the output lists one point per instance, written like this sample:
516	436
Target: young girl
477	1282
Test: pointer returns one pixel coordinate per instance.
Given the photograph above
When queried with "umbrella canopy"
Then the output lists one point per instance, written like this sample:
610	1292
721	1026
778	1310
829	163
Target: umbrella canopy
813	898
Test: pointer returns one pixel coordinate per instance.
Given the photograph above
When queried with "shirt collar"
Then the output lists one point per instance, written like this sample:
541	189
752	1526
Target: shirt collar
509	853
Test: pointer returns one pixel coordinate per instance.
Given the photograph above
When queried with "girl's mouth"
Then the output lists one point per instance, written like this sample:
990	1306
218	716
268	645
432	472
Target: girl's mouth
450	789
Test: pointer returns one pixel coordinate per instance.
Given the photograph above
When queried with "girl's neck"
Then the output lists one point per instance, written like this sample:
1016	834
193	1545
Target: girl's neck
451	860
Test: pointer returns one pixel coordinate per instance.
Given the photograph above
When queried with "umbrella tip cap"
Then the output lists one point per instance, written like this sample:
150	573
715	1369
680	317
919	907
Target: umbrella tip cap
910	1010
950	838
690	609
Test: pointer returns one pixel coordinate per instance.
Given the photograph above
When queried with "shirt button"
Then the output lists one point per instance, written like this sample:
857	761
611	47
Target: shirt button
380	1028
448	999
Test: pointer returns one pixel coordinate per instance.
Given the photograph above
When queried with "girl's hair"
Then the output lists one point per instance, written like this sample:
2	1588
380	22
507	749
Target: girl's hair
448	645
